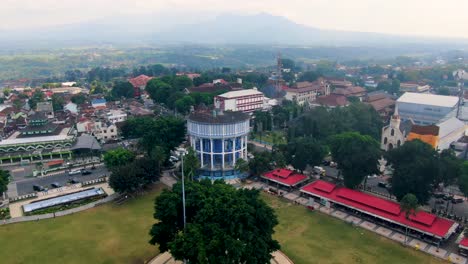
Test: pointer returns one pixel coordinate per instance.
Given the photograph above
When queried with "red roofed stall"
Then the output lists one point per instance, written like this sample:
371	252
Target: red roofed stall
285	177
463	247
382	209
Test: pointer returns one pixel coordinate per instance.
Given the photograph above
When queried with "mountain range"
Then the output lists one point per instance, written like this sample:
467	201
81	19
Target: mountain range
199	28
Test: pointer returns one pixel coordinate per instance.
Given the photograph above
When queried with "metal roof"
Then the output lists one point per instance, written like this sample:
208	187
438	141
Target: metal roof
62	199
428	99
86	142
226	117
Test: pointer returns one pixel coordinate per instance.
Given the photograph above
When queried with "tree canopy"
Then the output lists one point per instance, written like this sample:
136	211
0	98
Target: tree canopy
224	224
4	181
132	176
356	155
122	89
305	151
191	164
118	157
415	169
78	99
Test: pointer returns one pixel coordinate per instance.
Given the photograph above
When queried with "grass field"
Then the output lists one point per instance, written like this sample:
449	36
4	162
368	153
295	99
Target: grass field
312	237
106	234
119	234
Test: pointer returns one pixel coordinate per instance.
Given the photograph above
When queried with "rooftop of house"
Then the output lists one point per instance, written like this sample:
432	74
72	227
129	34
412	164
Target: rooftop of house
428	99
332	100
140	80
239	93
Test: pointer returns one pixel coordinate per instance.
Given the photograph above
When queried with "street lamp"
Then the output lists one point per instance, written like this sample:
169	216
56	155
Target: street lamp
183	189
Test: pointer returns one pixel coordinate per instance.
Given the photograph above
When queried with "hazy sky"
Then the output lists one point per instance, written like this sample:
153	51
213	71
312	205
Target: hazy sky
414	17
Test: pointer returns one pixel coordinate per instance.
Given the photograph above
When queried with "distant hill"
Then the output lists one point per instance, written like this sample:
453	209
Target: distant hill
182	28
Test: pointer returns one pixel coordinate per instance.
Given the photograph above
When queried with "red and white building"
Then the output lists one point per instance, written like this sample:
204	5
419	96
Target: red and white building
426	225
247	101
284	177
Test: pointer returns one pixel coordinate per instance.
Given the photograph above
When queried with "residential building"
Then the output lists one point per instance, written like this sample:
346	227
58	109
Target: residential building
219	140
115	116
382	102
247	101
46	107
338	83
414	87
426	109
99	103
307	92
332	100
105	131
351	91
139	84
72	107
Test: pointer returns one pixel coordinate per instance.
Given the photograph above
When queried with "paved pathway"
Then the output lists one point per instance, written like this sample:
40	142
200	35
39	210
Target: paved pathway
166	258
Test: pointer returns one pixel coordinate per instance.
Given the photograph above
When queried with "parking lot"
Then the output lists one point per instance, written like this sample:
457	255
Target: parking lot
26	186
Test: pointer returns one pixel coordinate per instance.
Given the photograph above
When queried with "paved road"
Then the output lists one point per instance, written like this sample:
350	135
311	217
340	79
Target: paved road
26	186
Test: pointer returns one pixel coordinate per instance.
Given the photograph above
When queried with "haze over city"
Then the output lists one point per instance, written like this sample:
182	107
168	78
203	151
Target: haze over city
415	17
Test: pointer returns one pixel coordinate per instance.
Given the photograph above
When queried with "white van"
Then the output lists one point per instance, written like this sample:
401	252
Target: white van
319	170
74	172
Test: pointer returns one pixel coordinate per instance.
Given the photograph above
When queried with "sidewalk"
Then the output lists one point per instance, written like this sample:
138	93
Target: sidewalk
166	258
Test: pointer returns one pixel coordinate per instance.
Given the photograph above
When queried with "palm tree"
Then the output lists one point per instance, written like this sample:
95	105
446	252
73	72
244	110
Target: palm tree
409	205
242	165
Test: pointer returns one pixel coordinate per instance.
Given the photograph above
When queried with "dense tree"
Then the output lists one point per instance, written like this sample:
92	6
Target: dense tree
321	122
305	151
4	181
356	155
191	164
166	132
134	175
242	166
37	96
159	91
443	91
159	156
415	168
261	163
78	98
463	179
118	157
122	89
57	102
224	224
409	206
183	104
181	82
450	167
262	121
309	76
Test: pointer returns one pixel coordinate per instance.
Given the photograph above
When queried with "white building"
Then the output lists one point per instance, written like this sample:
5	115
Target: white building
247	101
116	116
72	107
426	109
102	130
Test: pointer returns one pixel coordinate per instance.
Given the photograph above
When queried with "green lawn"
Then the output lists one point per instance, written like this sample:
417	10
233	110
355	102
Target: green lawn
119	234
312	237
272	137
106	234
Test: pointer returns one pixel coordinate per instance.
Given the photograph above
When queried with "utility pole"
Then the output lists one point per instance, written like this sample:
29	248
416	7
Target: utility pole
183	195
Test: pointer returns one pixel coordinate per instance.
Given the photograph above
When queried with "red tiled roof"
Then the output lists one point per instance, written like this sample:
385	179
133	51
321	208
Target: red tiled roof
332	100
292	178
382	208
140	80
464	243
381	104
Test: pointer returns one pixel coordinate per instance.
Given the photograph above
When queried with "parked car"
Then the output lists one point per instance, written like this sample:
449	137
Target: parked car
457	200
56	185
74	172
447	197
173	159
319	170
325	163
39	188
85	172
74	180
382	184
333	164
